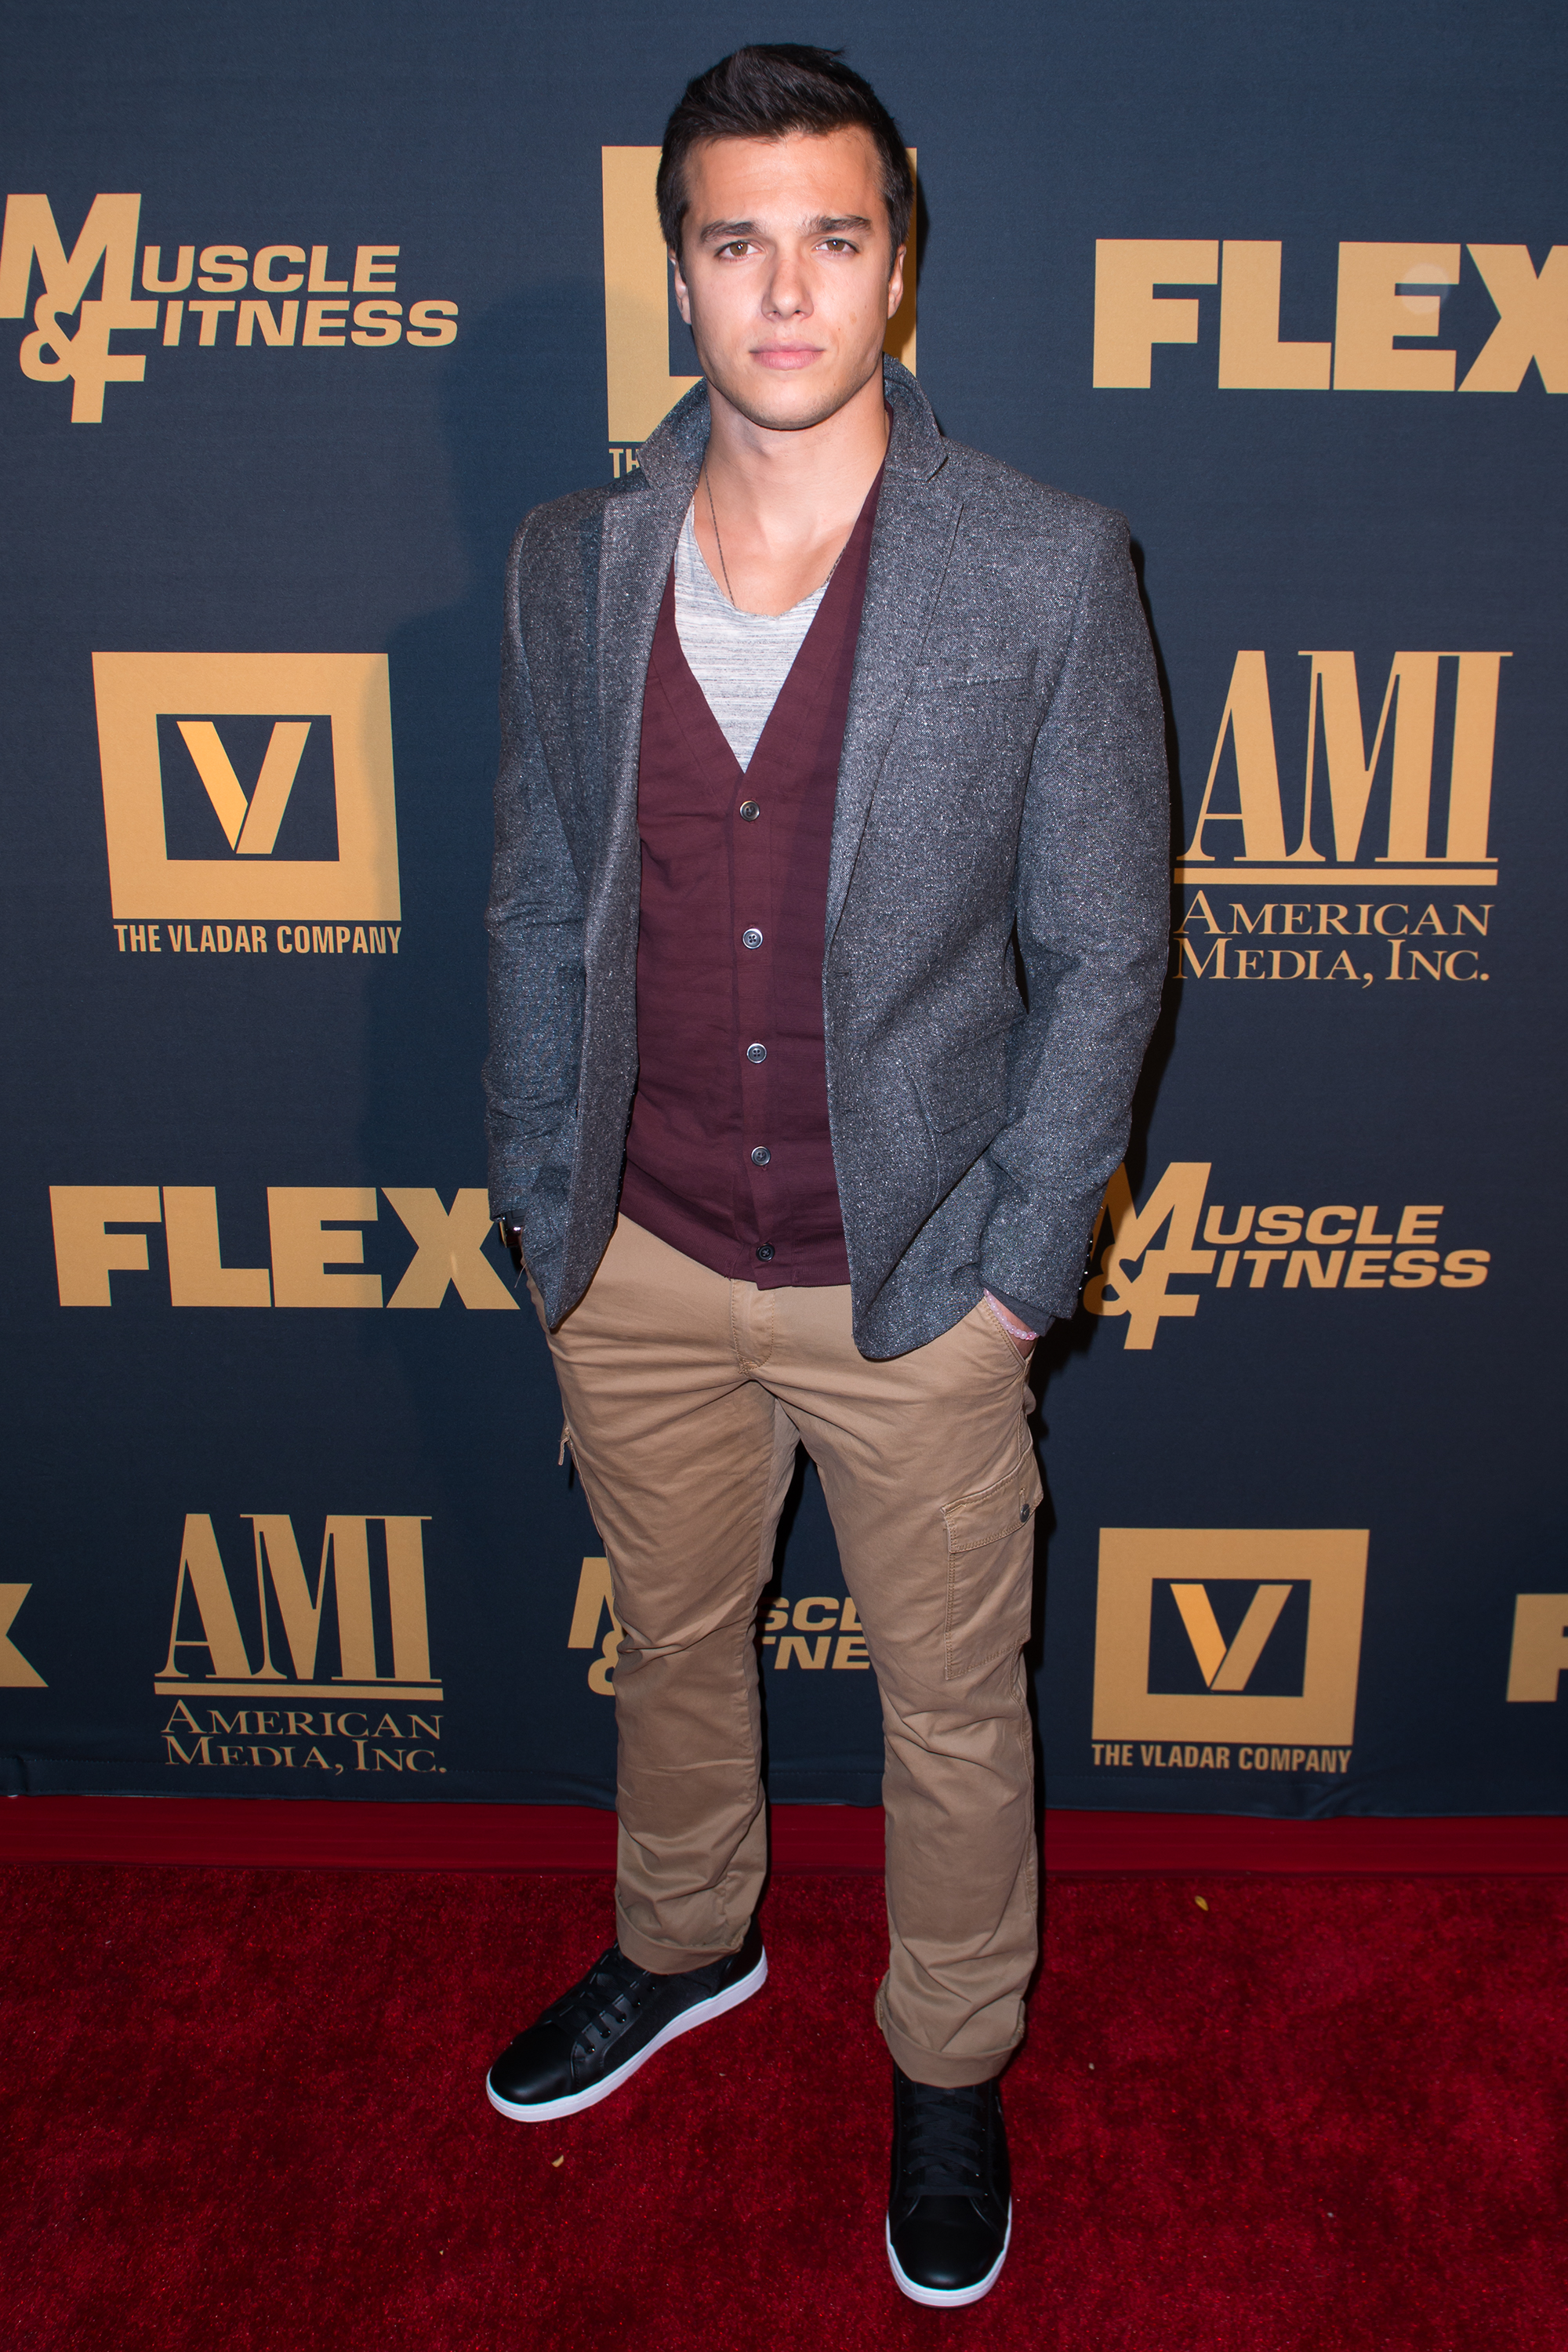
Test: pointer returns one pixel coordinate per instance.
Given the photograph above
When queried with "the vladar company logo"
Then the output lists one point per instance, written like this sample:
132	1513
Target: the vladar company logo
1228	1649
295	1662
1337	1246
641	387
254	788
321	297
1387	296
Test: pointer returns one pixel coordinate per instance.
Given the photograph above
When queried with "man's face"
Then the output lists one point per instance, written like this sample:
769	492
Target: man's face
782	278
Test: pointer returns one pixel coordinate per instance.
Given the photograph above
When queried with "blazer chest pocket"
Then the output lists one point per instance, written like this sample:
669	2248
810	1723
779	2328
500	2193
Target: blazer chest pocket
973	730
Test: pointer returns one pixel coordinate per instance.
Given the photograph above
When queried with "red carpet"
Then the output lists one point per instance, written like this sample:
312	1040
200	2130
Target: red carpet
243	2110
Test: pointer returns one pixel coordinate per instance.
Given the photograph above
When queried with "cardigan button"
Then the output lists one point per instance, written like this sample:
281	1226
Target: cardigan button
756	1053
761	1155
751	810
764	1251
752	938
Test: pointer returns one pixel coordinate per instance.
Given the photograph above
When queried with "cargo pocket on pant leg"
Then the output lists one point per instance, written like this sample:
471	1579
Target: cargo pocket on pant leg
991	1566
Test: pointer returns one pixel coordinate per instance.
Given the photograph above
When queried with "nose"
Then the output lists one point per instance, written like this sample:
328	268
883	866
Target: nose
787	295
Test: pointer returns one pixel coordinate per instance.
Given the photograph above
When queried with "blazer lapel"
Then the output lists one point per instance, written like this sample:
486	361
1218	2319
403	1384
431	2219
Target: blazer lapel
636	549
917	521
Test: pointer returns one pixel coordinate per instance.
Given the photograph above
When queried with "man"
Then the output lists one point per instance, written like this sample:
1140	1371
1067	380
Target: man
828	926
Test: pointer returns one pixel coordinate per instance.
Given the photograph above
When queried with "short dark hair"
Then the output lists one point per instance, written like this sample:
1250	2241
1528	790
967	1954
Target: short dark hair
766	92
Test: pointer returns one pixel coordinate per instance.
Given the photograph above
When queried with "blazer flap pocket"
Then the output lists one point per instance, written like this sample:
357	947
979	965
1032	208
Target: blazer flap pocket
995	1511
983	675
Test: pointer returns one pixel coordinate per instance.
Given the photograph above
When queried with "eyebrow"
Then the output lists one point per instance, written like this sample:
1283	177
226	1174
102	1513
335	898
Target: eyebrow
825	225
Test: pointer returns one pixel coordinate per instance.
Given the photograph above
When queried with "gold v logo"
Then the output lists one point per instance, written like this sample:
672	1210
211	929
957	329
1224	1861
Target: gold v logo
1192	1564
1228	1667
348	694
250	827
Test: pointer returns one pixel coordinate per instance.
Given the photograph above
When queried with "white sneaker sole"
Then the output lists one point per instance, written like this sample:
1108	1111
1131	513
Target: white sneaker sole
701	2013
947	2298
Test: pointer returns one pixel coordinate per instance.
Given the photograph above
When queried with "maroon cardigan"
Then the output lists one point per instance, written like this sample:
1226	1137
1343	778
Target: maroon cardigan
729	1157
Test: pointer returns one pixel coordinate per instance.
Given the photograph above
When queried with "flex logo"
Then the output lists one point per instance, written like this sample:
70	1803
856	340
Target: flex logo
273	1645
313	1231
1388	296
1229	1635
640	319
1337	1246
207	293
248	786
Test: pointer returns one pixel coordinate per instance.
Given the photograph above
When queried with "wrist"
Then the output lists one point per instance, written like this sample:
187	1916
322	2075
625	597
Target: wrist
1015	1326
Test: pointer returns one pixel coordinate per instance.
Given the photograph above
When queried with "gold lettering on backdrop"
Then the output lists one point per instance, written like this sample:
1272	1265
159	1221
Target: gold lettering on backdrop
593	1604
1129	317
1386	294
346	694
1533	318
1539	1650
640	390
304	1245
197	1275
1406	726
86	1252
1132	1277
1249	721
50	355
449	1249
286	1602
1251	355
1382	294
1176	1200
15	1674
310	1241
1268	1564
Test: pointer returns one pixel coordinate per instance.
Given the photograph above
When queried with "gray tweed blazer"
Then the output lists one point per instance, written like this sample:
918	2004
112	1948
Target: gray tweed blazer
998	904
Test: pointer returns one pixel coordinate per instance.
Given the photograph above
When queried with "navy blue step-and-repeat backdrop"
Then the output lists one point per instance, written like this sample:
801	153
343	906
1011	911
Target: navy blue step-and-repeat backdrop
300	309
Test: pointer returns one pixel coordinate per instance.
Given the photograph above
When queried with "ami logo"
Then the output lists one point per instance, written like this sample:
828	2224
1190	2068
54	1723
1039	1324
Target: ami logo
360	1632
248	787
1377	805
1228	1634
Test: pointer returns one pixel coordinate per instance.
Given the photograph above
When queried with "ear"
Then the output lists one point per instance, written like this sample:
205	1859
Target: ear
682	291
895	282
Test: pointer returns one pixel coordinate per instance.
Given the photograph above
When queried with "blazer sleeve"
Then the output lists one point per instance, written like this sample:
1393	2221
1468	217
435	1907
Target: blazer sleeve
536	920
1092	919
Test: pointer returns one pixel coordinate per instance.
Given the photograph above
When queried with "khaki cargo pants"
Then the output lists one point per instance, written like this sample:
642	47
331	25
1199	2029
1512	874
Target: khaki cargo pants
686	1395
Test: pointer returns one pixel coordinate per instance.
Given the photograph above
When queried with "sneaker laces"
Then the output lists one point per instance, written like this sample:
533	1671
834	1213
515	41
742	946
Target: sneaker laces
613	1983
943	2140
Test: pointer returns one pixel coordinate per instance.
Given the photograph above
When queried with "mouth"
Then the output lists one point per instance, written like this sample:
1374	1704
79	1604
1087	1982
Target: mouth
784	357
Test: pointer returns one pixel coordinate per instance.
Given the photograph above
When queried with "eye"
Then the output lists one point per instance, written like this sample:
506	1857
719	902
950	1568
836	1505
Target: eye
839	244
736	245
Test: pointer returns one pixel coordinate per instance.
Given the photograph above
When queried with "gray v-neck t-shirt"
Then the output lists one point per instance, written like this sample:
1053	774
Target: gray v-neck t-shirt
739	659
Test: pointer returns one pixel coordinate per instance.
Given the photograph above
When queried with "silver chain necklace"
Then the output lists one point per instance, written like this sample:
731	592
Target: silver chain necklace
718	543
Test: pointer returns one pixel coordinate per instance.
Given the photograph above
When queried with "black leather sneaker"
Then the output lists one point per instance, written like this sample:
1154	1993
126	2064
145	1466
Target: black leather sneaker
949	2215
595	2037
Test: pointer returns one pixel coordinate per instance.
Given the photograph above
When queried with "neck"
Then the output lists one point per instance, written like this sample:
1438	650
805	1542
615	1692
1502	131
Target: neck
786	486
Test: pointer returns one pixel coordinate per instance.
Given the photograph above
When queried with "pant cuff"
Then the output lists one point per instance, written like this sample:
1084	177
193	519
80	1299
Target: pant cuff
667	1959
942	2072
